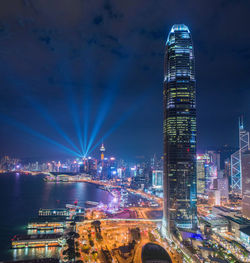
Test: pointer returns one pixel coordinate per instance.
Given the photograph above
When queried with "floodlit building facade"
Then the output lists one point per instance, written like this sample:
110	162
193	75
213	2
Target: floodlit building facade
179	129
246	184
202	167
236	165
157	178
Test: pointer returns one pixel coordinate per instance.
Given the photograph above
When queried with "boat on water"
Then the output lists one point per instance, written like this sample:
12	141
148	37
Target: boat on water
91	203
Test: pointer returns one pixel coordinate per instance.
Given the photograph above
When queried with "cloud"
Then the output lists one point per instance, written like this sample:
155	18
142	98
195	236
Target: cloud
106	33
119	53
45	39
98	20
113	38
30	4
110	11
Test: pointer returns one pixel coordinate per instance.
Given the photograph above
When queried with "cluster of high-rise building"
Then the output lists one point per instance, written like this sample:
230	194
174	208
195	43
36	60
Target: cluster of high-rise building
207	191
9	164
215	181
212	182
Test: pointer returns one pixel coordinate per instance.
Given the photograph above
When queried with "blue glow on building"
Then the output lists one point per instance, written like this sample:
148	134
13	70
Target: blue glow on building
179	128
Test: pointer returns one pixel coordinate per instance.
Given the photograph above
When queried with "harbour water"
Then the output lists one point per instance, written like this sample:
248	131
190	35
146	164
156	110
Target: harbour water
21	196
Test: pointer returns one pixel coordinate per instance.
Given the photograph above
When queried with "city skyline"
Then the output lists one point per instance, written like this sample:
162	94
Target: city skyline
36	92
125	131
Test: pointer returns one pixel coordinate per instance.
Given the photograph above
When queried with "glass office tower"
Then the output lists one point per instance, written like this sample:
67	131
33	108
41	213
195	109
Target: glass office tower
179	128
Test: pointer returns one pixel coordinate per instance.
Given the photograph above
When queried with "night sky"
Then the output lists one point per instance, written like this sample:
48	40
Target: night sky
62	61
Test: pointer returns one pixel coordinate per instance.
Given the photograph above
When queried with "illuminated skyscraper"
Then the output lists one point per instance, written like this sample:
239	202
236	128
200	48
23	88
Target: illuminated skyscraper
179	128
236	166
202	171
157	178
102	150
246	184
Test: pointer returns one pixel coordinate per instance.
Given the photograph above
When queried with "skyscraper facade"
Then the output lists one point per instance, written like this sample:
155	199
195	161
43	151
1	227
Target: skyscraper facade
157	178
236	165
202	166
179	128
246	184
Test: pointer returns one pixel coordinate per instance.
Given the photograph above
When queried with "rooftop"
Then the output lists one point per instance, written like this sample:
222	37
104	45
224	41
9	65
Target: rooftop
224	209
238	220
179	27
125	249
245	230
154	252
215	219
53	209
45	219
214	259
207	248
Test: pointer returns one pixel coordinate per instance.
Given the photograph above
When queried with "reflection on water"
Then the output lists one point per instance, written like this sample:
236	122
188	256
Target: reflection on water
27	253
21	196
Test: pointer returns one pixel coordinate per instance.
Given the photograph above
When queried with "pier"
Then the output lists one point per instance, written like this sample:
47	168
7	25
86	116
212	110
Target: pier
54	212
47	223
33	241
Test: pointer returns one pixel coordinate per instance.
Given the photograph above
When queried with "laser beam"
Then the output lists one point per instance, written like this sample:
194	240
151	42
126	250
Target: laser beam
109	96
73	107
136	105
104	108
44	113
87	97
37	134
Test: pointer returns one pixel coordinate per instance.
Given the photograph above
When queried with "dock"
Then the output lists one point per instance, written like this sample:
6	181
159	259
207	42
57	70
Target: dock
34	241
47	223
54	212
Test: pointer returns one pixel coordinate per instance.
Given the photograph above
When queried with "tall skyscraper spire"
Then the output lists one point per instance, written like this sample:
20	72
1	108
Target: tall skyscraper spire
236	164
102	150
179	129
